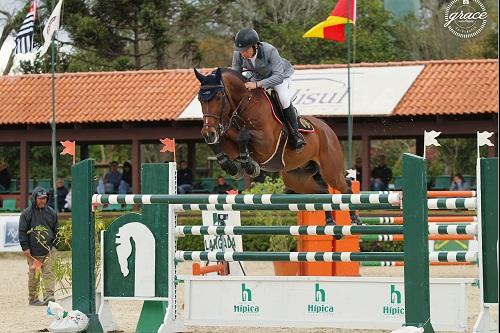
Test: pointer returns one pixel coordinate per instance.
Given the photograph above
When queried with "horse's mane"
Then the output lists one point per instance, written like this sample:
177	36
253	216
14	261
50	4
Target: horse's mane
234	73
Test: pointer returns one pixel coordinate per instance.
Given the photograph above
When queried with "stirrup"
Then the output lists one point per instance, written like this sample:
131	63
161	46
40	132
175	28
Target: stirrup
298	141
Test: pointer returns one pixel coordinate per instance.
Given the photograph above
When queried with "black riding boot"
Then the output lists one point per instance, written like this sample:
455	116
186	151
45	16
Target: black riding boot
298	141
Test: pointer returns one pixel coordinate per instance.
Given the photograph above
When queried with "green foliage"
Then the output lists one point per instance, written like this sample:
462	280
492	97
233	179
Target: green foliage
280	243
454	156
143	34
11	155
41	162
381	246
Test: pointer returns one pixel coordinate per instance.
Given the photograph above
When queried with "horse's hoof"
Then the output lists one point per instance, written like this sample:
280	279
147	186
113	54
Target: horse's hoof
256	171
239	173
330	222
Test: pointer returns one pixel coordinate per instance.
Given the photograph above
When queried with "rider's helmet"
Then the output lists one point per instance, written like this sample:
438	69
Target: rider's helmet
245	38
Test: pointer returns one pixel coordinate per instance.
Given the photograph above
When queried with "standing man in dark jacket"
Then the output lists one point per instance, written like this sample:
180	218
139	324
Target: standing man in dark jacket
38	227
62	192
381	175
184	179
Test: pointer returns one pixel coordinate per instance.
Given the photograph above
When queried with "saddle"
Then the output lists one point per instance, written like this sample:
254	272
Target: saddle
304	125
276	162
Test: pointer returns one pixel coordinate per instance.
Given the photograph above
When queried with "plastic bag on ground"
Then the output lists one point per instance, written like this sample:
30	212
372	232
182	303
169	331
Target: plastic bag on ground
66	321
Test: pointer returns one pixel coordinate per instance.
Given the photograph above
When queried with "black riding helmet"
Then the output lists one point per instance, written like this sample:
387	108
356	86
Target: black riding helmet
245	38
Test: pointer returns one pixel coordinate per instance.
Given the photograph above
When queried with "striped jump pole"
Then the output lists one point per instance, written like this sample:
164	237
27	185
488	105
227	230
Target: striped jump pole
452	203
451	230
289	207
292	202
441	256
430	219
286	230
399	238
401	263
433	194
249	199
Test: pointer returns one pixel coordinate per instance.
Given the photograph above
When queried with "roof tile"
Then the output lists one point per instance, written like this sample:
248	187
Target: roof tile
97	97
452	87
443	87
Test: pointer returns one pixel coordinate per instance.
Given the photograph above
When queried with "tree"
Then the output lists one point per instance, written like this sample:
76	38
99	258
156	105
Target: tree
425	38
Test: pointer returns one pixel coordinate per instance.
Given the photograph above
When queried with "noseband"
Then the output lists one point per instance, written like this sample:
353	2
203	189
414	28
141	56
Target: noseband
207	93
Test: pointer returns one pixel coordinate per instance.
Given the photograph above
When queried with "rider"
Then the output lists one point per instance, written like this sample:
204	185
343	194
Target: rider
270	70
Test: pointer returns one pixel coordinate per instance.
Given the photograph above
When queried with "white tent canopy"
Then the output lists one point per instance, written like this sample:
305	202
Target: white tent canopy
375	91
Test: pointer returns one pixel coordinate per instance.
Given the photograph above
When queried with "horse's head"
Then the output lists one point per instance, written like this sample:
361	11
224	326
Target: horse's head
214	102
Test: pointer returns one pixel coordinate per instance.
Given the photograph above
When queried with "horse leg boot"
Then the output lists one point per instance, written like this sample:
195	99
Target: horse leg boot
250	166
232	168
298	141
352	213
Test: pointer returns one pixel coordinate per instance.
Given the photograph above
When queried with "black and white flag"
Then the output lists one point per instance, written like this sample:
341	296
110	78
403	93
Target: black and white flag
24	38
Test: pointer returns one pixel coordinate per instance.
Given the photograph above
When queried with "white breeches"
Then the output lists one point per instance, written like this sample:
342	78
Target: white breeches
283	91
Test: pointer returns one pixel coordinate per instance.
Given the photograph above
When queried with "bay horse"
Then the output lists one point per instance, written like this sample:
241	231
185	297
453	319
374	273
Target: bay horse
240	128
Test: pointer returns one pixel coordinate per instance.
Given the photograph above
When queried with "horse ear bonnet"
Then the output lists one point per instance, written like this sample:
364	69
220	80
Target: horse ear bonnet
214	80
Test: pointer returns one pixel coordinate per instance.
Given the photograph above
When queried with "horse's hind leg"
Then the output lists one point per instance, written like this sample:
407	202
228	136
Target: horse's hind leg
321	182
352	213
334	175
308	183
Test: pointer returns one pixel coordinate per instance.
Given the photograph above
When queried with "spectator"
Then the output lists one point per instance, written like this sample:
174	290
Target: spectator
39	245
358	166
110	183
62	191
184	179
4	176
126	183
458	183
381	175
222	187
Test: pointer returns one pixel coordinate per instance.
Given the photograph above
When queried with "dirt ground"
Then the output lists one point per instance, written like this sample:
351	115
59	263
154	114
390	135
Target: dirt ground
17	317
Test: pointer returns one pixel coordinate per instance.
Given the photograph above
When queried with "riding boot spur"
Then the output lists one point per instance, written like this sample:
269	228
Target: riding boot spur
298	141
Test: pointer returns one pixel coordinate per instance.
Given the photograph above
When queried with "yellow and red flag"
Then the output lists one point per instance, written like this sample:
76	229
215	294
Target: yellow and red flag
168	145
333	27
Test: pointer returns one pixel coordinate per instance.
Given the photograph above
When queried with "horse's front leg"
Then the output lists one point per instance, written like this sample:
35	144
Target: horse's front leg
249	165
234	169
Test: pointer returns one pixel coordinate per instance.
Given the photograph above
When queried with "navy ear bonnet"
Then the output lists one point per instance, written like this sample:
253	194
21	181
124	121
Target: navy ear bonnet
211	85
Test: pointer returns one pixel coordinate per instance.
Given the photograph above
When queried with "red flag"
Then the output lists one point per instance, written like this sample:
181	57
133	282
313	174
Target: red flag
232	192
168	145
69	148
333	27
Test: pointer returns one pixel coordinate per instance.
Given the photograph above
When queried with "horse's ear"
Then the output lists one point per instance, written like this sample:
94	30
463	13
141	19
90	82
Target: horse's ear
199	76
218	74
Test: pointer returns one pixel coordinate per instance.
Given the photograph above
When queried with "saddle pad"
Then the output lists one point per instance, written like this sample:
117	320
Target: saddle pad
305	125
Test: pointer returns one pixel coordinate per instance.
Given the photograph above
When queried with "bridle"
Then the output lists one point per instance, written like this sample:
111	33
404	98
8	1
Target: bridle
235	115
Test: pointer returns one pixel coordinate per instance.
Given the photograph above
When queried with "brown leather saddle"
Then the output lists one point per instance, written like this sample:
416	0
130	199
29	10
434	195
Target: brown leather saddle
276	161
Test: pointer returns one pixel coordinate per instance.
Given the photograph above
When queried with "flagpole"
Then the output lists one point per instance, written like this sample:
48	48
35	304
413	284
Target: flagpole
35	4
175	160
477	144
349	116
53	125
